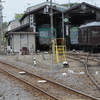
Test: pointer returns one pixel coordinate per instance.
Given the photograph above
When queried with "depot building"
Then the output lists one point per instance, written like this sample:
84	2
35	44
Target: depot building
33	30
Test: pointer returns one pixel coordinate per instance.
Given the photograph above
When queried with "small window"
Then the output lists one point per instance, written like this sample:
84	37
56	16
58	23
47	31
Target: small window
85	32
22	36
95	32
43	34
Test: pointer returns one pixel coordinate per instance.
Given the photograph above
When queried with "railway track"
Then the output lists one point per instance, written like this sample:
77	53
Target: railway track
88	73
85	61
83	54
51	89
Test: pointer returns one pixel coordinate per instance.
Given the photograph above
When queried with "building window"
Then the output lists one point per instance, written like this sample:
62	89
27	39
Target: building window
95	32
22	36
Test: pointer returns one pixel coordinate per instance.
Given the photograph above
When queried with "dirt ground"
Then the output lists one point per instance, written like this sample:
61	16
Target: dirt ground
73	76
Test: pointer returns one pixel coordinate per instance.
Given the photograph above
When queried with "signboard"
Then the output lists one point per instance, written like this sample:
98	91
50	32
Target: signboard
65	20
67	30
31	20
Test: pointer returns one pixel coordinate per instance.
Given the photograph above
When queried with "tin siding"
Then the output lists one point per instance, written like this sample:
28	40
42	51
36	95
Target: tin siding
26	20
13	25
32	42
27	41
12	42
24	41
16	43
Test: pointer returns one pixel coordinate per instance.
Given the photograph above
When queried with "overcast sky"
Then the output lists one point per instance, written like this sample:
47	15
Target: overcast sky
18	6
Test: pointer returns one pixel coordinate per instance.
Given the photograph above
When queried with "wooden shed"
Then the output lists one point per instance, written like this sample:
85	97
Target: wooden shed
17	39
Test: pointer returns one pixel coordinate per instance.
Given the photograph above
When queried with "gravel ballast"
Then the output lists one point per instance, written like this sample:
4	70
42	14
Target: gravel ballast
74	80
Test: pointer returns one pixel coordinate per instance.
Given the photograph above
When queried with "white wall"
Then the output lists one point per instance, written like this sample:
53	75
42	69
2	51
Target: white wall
25	20
14	24
31	42
23	41
17	42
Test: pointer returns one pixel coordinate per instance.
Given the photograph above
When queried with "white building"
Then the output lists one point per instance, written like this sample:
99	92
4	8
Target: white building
13	24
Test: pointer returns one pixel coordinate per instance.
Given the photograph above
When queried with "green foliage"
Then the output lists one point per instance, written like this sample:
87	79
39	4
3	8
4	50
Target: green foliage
4	25
71	4
17	16
2	39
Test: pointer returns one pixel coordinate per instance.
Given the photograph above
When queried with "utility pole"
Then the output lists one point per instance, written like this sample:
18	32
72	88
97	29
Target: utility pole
51	19
1	20
68	3
1	16
52	35
28	7
92	2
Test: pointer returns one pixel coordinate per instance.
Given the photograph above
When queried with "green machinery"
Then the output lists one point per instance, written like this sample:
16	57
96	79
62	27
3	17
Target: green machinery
45	36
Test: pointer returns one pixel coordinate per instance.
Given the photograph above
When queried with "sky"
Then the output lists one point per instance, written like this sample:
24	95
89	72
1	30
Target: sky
19	6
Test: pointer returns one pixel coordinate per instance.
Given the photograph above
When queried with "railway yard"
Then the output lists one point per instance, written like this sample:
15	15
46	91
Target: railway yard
21	80
71	33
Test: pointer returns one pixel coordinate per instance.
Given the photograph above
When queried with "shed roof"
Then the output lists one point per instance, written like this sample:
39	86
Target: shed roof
47	3
14	20
35	8
18	28
90	24
23	33
82	13
79	5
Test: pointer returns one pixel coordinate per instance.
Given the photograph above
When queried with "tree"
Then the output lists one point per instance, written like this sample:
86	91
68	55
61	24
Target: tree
71	4
4	25
4	29
17	16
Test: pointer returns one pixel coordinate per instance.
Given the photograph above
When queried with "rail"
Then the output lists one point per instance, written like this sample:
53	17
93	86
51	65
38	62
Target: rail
61	85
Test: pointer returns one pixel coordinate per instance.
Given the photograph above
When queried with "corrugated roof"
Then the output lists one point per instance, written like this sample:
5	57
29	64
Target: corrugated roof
90	24
33	9
59	7
14	20
83	3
